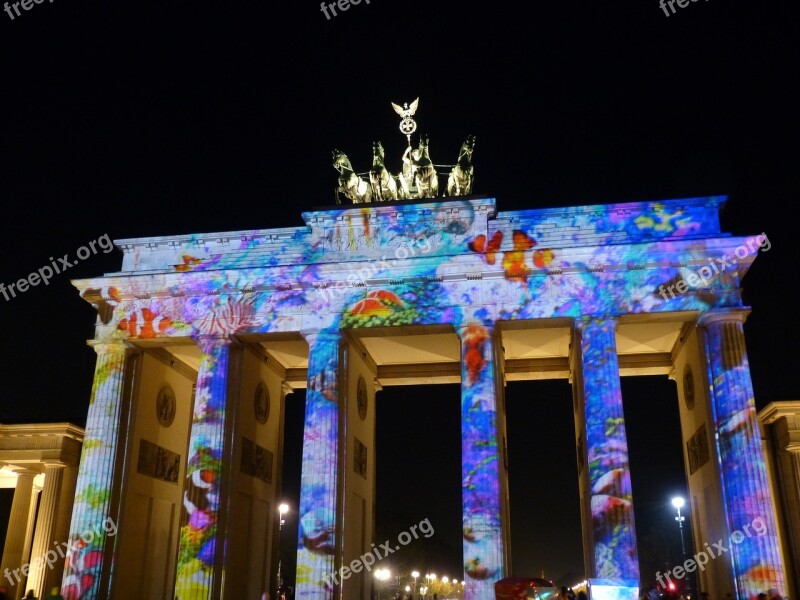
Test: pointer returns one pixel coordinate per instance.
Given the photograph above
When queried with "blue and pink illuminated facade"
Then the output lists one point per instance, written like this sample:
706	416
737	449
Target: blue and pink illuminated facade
456	264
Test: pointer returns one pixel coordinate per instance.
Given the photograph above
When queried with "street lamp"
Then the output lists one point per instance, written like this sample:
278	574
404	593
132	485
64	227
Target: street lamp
423	590
282	510
415	574
382	575
678	503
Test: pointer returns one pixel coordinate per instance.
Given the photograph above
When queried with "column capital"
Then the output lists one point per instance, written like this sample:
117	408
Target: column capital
466	328
53	464
111	347
211	341
25	473
584	321
312	335
286	389
736	314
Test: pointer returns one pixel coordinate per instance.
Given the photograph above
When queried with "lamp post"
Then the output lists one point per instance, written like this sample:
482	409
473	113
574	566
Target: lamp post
282	510
415	574
678	503
382	575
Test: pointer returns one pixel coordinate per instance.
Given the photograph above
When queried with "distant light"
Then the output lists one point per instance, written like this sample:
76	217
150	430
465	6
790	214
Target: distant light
415	574
283	509
408	588
671	585
678	502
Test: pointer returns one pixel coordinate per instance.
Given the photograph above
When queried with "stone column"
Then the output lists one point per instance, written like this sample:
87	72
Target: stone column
319	482
34	505
13	560
202	539
756	559
87	569
608	500
40	580
481	491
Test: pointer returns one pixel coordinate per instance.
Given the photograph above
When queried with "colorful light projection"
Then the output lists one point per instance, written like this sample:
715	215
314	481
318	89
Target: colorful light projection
609	472
613	589
85	558
317	531
521	265
757	564
480	463
421	264
199	555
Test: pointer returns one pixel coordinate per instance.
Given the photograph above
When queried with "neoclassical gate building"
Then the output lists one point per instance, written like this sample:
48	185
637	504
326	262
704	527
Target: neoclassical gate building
200	337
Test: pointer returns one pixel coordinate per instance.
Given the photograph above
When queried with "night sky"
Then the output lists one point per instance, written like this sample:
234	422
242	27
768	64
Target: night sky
138	120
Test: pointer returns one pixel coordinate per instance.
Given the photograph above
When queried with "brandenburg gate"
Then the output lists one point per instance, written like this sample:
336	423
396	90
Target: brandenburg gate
199	339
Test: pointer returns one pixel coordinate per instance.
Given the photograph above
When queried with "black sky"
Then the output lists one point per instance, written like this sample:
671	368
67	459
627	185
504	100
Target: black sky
146	119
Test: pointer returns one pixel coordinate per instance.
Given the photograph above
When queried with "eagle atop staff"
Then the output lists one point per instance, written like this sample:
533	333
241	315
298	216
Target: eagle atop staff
407	125
406	110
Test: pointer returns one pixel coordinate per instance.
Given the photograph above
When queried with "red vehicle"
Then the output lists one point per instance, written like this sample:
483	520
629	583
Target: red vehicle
525	588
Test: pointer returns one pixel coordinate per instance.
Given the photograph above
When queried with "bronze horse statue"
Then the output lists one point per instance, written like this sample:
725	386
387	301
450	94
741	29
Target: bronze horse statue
384	186
351	185
459	183
425	177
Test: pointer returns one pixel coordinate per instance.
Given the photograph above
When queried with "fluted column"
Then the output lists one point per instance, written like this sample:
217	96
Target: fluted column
483	541
202	543
26	548
13	559
43	542
756	559
317	544
87	563
613	543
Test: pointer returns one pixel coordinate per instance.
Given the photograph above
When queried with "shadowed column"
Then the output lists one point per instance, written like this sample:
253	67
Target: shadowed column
612	549
43	540
202	545
317	544
87	563
756	559
15	535
480	464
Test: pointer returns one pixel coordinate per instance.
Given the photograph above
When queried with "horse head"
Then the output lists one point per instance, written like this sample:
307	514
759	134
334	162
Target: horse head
423	145
341	162
467	148
377	153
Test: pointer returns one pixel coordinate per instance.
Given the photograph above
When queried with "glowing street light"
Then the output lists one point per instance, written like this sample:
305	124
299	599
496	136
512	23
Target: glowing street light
678	503
445	579
415	574
383	576
282	510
